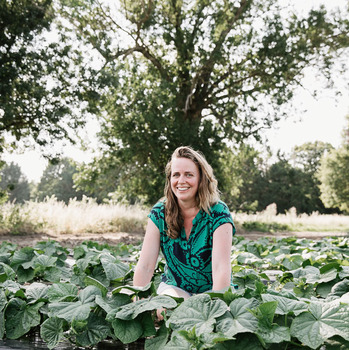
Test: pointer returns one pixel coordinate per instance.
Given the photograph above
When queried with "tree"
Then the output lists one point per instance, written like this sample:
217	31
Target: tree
57	180
334	180
14	182
34	99
307	158
102	181
287	187
244	178
333	175
195	73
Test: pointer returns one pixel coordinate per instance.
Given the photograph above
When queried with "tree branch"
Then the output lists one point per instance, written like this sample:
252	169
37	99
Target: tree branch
199	88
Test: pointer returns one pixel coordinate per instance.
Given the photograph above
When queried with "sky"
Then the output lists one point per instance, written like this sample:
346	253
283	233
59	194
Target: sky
323	118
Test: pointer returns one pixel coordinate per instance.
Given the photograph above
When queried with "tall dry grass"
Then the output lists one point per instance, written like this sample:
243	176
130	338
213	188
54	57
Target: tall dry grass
291	221
86	216
77	217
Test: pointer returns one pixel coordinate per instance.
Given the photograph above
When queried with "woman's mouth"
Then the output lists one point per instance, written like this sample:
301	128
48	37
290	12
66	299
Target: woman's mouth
181	189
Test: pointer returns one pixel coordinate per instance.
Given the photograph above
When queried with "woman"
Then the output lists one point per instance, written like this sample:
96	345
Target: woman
193	229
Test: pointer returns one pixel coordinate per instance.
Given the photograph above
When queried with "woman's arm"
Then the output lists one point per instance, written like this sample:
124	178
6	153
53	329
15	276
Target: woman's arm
221	256
148	257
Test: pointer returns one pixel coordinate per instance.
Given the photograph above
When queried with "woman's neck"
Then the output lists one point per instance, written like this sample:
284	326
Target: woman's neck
189	211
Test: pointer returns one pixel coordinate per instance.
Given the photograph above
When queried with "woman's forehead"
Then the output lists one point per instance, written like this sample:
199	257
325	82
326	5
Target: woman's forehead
183	164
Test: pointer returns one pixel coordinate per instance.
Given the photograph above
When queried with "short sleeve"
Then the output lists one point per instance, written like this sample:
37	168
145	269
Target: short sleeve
157	215
220	215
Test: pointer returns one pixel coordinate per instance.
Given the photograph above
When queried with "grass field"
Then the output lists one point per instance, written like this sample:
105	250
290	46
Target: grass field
86	216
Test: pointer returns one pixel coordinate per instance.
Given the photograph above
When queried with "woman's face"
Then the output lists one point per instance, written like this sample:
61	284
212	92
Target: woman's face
185	178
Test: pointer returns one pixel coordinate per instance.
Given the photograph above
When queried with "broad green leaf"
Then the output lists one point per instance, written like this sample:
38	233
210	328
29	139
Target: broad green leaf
246	278
285	305
198	311
25	275
344	298
246	258
78	310
127	331
324	289
51	331
292	262
309	272
3	300
89	281
114	270
20	317
109	303
62	292
22	256
159	341
71	310
53	274
132	310
178	342
44	261
239	319
265	313
6	272
344	273
340	288
37	292
147	322
204	340
96	330
12	287
274	334
328	275
88	294
323	321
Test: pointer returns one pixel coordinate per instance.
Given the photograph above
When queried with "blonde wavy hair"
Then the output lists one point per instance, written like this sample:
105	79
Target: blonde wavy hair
206	196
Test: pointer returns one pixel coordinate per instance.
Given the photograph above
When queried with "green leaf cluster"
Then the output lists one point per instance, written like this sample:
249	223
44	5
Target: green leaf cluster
291	293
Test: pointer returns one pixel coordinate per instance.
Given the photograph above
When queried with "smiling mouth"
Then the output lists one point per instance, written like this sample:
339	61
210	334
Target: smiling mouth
182	188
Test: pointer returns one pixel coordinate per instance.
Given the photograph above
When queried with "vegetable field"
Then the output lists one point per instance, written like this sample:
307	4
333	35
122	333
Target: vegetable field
293	293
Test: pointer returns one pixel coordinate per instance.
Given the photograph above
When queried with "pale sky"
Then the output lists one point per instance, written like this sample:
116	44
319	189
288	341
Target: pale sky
324	119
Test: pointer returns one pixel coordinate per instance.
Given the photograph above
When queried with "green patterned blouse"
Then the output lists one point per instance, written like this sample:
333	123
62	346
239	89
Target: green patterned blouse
188	262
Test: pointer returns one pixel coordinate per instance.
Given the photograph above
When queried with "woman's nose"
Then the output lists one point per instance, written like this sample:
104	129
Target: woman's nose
181	179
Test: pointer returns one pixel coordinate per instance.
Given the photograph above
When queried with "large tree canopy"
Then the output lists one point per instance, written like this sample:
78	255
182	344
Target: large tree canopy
35	100
201	73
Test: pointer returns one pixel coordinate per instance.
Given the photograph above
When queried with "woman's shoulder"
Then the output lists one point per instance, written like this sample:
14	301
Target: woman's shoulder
158	210
160	205
219	206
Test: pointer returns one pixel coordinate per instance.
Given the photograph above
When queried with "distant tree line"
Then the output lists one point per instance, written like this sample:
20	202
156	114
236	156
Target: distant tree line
312	179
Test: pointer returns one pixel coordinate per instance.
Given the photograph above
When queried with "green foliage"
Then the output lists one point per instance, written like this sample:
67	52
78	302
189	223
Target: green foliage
243	178
265	227
201	74
33	72
15	183
57	180
304	305
333	175
308	155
